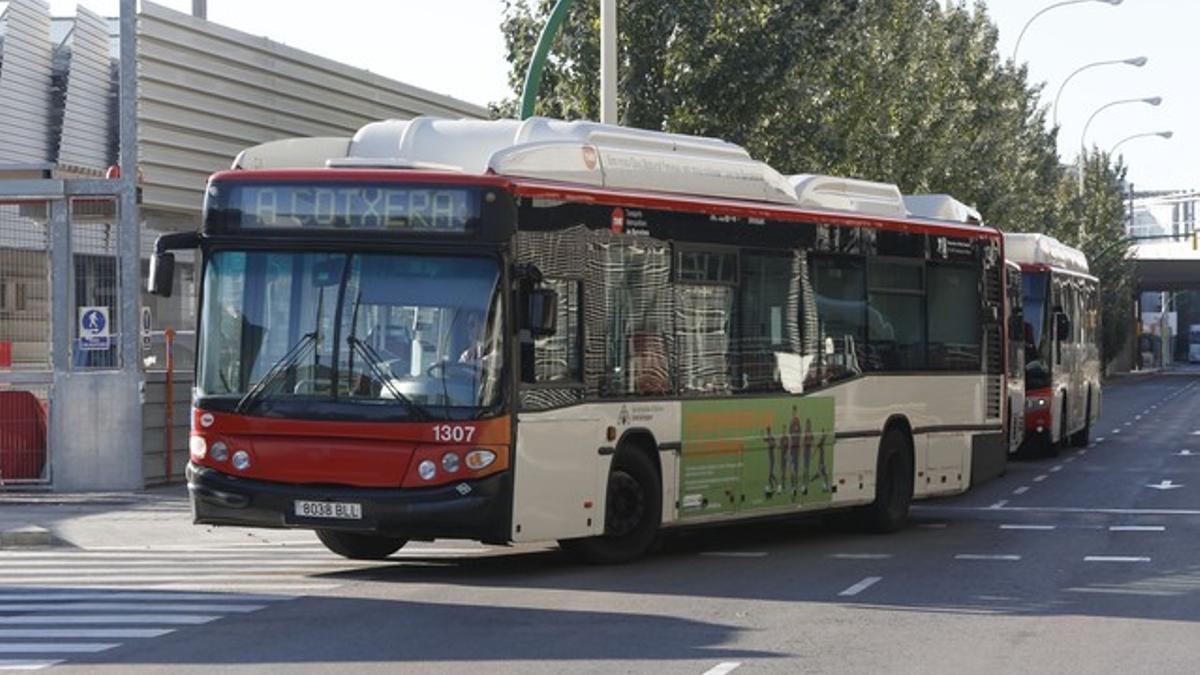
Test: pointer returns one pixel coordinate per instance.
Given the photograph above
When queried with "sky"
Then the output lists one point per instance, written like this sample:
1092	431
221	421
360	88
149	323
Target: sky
455	47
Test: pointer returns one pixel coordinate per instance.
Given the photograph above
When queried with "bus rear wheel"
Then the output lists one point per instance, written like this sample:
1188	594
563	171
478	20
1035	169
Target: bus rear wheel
893	485
632	513
360	546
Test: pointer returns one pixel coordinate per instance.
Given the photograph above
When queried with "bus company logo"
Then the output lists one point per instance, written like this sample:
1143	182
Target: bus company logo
943	248
618	220
590	158
623	416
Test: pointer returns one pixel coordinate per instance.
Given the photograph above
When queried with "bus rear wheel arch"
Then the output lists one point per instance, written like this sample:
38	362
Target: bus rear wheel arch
632	512
358	546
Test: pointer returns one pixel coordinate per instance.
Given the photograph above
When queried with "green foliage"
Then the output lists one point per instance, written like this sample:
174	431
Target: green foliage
899	91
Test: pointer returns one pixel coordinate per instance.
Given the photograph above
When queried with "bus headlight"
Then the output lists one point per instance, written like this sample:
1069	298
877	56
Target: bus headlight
450	462
219	452
1038	403
197	447
241	460
427	469
477	460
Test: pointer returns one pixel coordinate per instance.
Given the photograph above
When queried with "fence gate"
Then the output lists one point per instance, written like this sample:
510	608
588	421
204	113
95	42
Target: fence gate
26	367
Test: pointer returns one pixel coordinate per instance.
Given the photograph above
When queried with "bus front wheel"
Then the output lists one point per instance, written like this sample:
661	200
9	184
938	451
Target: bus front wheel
632	513
360	546
893	485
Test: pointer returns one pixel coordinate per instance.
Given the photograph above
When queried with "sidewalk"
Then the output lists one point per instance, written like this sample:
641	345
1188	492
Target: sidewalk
155	517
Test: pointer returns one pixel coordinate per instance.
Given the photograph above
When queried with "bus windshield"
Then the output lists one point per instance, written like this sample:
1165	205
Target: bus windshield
1037	348
348	335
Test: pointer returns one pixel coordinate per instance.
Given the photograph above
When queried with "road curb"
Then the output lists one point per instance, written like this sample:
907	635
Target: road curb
29	535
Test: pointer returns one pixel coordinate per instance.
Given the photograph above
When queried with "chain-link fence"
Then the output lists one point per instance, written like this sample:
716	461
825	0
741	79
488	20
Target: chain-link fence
96	285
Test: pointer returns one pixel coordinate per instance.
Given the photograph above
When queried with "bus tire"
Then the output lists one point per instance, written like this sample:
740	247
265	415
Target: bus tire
1081	438
893	485
358	546
632	513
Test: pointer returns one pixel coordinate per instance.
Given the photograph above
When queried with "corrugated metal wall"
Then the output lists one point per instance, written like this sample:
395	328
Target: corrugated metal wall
86	142
25	78
206	92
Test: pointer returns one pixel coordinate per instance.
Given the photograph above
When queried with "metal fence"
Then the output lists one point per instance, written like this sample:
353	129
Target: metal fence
96	283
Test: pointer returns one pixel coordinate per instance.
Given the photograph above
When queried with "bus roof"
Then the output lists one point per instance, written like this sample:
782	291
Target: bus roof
593	155
1041	249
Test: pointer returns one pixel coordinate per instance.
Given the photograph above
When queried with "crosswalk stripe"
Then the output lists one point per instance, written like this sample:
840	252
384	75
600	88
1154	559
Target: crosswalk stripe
73	578
56	647
84	633
294	589
126	606
28	664
52	619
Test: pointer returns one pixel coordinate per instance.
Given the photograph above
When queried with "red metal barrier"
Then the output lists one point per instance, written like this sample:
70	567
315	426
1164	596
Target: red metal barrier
22	436
5	354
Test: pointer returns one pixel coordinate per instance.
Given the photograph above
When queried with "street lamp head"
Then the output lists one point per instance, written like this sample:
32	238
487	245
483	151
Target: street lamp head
1153	100
1110	2
1166	134
1139	61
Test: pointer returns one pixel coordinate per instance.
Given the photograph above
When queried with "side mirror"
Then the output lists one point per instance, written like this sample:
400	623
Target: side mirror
1062	327
162	274
541	316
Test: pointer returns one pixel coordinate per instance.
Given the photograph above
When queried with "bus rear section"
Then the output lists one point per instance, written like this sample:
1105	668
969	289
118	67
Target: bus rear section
1061	333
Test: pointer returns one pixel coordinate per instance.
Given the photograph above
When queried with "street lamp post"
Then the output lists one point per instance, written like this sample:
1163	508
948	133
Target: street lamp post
1064	3
1160	134
1136	62
1153	100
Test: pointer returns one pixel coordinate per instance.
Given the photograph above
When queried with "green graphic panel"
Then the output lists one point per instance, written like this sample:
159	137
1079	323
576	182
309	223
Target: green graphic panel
755	454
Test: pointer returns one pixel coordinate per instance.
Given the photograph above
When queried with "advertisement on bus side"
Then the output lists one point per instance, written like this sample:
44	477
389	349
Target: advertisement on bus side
757	454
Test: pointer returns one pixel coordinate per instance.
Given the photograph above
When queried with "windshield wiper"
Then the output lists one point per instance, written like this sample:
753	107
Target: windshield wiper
293	356
373	360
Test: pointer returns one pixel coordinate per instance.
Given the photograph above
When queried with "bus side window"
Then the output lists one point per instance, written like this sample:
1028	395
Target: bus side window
557	358
840	287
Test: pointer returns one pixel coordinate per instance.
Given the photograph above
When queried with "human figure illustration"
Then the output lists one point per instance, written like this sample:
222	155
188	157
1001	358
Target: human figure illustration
809	447
821	462
771	482
794	448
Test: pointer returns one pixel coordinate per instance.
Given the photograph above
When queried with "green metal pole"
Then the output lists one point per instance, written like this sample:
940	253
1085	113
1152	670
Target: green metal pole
533	77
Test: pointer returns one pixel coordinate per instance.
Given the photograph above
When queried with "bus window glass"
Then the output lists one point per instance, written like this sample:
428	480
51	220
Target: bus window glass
556	358
702	333
896	317
841	304
636	311
387	331
768	329
954	330
1037	366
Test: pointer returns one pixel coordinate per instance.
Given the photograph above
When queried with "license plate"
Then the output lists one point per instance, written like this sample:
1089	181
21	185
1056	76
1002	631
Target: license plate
341	510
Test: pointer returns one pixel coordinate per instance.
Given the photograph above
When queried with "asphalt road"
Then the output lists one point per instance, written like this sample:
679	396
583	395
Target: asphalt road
1087	562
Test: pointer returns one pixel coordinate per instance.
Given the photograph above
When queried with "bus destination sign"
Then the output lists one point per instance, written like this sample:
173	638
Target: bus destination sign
407	208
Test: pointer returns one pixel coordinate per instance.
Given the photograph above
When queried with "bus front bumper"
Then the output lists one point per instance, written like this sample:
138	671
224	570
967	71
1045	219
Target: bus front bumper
478	509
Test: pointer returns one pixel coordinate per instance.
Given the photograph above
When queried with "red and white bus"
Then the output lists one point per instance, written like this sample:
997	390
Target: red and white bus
536	331
1062	341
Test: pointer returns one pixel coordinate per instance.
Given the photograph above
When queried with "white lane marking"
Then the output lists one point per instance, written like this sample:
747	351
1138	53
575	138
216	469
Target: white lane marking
1066	509
1056	468
1068	460
1099	440
1185	453
735	554
287	589
1028	527
1137	528
28	664
1128	423
56	647
106	594
1042	477
1021	490
169	619
1166	484
723	668
85	633
1116	558
999	505
980	556
1116	431
125	606
1136	418
860	586
1196	433
861	556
